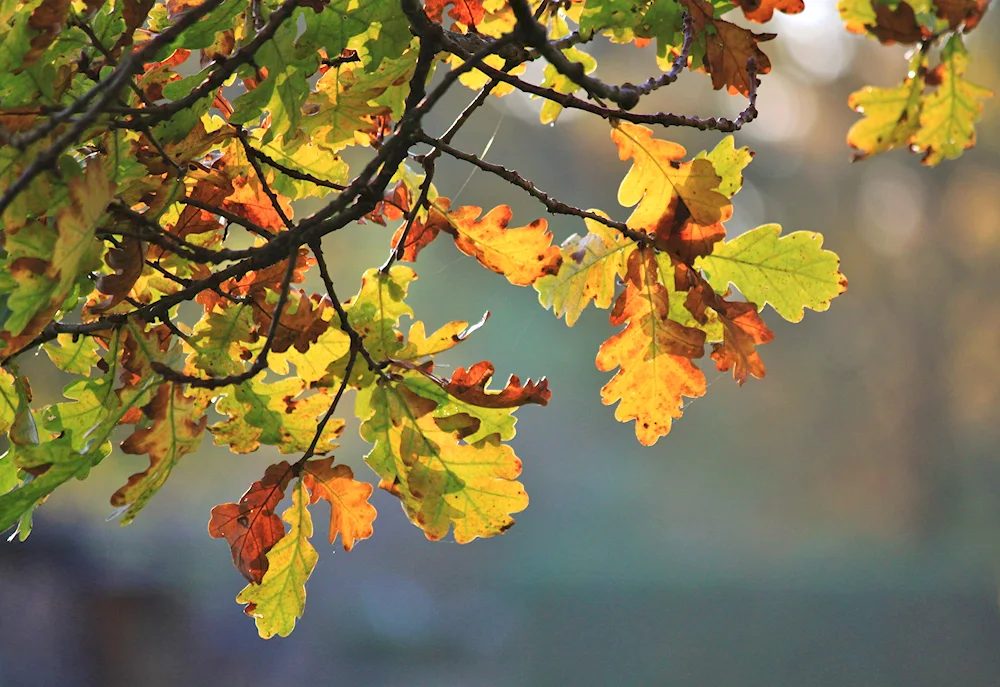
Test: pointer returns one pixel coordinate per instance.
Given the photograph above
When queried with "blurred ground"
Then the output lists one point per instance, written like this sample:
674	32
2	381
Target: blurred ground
832	525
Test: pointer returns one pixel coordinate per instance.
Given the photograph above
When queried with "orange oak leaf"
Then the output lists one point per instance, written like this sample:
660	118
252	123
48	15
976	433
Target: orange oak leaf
470	386
157	74
393	206
743	331
424	230
653	354
522	254
251	526
761	11
665	191
468	12
351	516
192	220
248	200
176	426
255	281
727	48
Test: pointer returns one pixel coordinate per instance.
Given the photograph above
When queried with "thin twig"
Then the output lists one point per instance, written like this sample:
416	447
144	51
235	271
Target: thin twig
311	449
552	205
425	187
357	341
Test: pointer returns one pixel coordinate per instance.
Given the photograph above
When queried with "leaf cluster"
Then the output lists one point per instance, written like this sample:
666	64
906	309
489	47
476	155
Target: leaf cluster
153	155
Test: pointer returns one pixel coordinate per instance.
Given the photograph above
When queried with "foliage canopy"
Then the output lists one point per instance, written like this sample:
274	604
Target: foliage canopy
151	155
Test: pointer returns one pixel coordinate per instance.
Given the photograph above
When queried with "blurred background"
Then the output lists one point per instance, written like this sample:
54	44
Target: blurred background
832	525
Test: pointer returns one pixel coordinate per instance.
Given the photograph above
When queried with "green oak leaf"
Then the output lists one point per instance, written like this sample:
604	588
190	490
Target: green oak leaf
790	273
947	120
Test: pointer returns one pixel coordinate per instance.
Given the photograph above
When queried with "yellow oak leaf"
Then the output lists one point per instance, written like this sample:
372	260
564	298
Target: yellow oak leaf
591	265
653	354
663	189
522	254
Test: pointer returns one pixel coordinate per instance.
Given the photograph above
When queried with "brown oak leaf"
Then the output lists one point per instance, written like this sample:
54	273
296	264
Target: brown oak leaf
127	261
957	12
470	386
896	26
251	526
301	322
727	48
743	331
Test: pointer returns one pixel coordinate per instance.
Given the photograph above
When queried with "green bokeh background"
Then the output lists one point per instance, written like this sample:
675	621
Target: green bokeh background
832	525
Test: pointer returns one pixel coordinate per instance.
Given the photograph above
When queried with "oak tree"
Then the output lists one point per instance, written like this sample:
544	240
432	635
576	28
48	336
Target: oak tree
152	155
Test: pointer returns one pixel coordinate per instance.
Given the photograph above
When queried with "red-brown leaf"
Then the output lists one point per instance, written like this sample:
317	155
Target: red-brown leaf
127	261
251	526
743	331
896	26
728	48
300	324
470	386
423	232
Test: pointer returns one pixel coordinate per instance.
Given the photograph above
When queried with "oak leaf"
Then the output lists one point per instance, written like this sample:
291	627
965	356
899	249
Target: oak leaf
282	414
761	11
470	386
744	330
126	260
790	272
949	114
300	324
958	12
420	345
75	357
251	526
174	426
728	48
590	268
422	232
653	354
278	599
221	338
467	12
351	515
521	254
891	116
662	188
441	473
858	15
896	24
